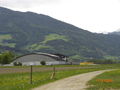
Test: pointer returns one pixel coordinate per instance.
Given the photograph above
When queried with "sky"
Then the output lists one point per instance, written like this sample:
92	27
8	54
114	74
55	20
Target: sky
99	16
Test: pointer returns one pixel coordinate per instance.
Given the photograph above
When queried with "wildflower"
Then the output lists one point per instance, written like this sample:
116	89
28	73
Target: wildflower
105	80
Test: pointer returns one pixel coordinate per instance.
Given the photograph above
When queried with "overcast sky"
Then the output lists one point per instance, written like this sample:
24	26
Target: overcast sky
93	15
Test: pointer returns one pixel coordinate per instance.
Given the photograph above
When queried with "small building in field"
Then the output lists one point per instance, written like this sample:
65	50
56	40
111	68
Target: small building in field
37	58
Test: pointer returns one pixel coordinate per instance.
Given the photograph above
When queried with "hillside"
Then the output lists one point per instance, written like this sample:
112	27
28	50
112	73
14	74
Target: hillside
25	32
117	32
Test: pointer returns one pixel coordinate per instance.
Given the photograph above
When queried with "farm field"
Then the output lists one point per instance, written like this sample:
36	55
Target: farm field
107	81
18	78
23	69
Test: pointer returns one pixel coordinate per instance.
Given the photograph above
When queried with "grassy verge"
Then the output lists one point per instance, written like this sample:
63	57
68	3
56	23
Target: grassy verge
107	81
98	66
20	81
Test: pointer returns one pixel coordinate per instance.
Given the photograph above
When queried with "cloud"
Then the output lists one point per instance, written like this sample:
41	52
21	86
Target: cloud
26	3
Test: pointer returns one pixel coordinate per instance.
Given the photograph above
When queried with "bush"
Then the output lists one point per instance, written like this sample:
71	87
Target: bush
43	63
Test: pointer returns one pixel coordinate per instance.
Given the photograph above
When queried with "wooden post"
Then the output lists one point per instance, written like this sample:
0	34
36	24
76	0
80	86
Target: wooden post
30	74
53	74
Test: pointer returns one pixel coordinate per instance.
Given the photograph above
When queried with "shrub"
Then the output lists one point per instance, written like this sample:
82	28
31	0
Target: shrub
43	63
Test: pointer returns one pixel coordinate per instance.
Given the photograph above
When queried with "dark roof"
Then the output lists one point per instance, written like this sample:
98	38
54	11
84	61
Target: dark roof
60	55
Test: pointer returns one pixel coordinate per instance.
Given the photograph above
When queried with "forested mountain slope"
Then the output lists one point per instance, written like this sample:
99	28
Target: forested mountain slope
25	32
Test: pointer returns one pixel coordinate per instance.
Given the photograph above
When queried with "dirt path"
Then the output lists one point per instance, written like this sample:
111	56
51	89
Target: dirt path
77	82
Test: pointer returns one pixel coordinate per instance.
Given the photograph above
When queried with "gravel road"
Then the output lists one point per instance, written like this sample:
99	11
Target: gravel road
77	82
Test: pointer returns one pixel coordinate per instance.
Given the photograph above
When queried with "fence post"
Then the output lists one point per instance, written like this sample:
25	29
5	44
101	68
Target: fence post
31	74
53	74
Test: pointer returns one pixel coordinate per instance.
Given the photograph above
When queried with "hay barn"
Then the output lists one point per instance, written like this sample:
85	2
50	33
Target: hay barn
36	58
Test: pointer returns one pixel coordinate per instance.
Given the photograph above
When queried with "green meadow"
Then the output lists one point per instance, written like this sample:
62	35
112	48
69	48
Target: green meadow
51	37
6	37
21	81
109	80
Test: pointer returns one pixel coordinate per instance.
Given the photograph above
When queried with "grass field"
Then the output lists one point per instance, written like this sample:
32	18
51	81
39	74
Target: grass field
107	81
21	80
99	65
51	37
23	69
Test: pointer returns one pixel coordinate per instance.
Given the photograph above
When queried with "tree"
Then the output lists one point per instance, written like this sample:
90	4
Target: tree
43	63
6	57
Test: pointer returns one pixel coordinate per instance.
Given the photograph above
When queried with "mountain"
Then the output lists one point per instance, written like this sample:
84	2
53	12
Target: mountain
117	32
25	32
